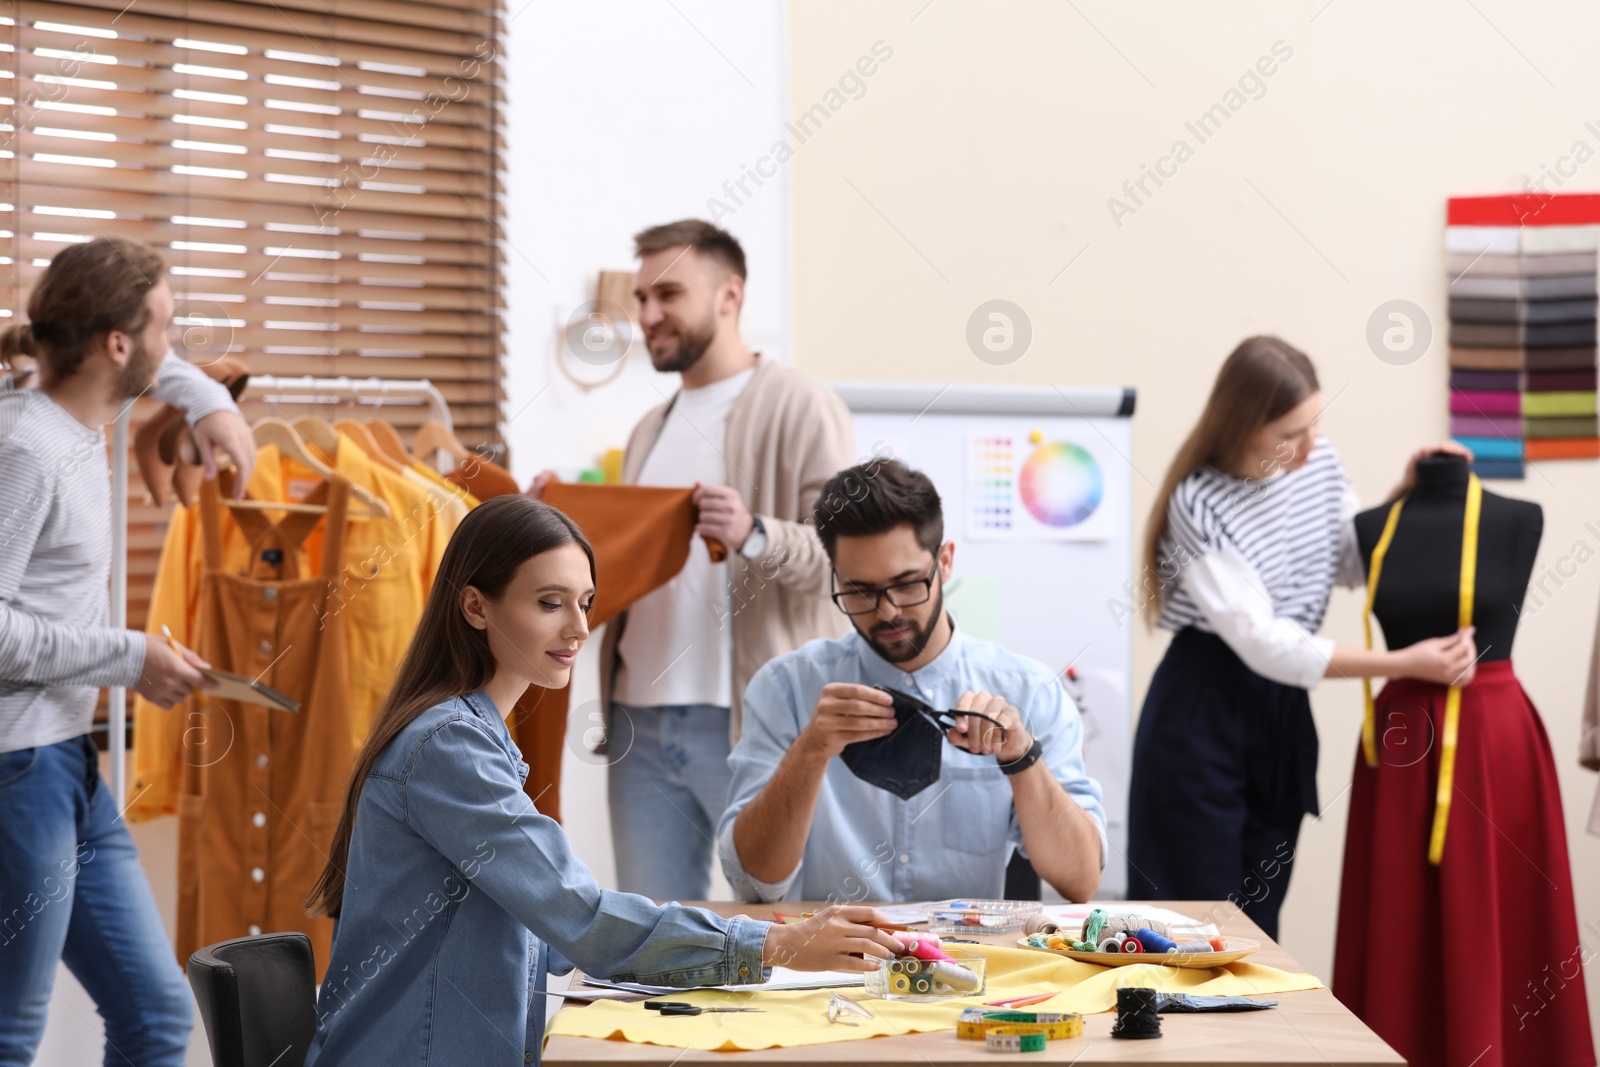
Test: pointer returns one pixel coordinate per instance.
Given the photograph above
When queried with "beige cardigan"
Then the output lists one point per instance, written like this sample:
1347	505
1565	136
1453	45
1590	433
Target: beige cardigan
786	435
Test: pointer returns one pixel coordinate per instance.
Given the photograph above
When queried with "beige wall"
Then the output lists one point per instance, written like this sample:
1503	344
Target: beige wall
978	163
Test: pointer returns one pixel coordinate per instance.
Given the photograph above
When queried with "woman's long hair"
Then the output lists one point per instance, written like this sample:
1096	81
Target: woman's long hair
448	657
1262	380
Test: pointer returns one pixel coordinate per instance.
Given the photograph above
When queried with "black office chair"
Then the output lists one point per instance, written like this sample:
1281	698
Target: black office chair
258	999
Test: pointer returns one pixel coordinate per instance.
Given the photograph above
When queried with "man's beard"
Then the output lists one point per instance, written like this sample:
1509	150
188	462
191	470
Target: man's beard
910	647
137	374
691	346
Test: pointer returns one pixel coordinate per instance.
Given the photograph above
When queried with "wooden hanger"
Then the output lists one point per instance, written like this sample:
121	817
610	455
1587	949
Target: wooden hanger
367	443
320	435
389	441
433	437
277	432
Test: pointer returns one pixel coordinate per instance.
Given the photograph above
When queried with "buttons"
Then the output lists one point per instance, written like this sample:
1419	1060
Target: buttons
744	970
264	647
270	593
261	760
527	1057
257	874
255	931
905	857
259	819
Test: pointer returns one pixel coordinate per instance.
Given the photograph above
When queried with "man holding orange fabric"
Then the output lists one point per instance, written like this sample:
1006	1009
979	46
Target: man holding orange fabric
757	439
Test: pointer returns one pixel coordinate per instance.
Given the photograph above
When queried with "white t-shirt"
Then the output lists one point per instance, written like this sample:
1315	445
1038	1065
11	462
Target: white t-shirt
677	647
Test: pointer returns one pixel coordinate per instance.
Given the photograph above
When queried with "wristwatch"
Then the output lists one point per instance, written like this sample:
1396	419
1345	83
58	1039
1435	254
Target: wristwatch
1024	761
755	543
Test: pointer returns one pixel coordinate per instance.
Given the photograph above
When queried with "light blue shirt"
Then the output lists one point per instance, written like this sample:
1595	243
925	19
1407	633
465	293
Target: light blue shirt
955	837
460	897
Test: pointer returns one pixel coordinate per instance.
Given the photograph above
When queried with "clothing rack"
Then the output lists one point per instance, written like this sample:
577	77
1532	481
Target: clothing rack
343	387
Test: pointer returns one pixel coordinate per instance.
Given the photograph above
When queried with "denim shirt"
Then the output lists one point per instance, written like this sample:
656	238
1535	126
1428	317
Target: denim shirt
459	898
955	837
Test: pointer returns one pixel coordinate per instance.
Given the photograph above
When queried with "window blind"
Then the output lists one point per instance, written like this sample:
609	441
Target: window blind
322	176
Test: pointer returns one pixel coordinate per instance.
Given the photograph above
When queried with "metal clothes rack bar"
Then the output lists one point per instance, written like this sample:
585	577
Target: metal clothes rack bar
379	389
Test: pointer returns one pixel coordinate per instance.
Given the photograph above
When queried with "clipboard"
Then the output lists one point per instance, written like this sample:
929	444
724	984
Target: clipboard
238	687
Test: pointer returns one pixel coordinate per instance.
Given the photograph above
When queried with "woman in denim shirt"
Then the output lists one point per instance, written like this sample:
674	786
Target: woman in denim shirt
454	896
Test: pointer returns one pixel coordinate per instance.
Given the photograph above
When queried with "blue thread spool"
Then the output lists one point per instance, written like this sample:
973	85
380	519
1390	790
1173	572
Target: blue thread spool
1154	942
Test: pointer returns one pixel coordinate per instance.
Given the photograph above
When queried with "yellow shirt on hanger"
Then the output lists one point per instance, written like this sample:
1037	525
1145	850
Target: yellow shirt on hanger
390	564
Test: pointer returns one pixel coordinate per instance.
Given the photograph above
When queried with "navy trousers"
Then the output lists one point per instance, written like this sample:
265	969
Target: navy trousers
1224	768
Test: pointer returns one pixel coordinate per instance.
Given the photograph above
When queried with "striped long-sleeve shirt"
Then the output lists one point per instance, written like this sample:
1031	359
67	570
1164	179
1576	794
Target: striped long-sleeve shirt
1254	561
57	644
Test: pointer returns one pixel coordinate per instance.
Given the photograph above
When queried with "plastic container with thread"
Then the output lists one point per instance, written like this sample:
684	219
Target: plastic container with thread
908	978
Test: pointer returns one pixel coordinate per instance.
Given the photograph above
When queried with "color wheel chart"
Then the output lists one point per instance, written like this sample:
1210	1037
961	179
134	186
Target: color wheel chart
1033	487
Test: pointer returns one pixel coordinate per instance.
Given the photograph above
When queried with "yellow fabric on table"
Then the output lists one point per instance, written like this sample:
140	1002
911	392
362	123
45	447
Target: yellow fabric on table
790	1019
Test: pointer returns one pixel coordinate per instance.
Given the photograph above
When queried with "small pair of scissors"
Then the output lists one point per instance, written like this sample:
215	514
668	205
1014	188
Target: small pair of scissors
680	1007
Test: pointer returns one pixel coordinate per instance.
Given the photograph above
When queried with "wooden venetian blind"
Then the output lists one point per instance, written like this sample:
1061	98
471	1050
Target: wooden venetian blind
323	177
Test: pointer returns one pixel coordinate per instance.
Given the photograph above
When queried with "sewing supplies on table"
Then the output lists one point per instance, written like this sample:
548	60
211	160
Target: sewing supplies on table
1136	1014
679	1007
986	916
1105	938
840	1005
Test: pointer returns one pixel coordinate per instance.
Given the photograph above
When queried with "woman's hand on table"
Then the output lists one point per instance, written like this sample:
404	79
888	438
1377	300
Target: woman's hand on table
826	941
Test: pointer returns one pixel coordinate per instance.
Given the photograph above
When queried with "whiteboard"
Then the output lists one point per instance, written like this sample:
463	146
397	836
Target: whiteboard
1036	484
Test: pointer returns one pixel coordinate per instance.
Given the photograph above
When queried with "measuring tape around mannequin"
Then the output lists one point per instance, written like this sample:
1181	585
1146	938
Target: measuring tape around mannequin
1452	706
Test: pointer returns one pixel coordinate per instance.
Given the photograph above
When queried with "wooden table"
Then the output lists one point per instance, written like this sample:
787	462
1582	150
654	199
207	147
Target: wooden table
1309	1027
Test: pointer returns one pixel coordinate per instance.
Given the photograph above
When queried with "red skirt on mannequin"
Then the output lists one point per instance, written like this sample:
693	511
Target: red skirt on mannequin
1476	962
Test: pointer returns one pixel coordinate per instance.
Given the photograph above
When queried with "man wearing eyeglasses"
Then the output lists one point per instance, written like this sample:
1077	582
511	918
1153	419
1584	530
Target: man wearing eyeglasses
811	818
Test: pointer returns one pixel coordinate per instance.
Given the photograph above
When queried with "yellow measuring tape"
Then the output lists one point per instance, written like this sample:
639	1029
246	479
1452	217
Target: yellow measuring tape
1452	706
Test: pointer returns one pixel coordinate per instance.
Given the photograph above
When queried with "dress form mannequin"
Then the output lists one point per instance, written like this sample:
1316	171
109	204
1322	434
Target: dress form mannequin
1418	592
1433	994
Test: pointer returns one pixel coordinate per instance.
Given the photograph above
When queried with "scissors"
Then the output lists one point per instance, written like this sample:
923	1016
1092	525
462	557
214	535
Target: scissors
679	1007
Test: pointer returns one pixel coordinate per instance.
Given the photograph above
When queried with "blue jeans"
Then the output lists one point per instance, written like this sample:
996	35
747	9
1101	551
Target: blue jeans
71	889
667	790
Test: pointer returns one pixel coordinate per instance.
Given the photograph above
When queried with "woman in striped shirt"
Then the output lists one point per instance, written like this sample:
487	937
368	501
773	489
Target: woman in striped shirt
1249	533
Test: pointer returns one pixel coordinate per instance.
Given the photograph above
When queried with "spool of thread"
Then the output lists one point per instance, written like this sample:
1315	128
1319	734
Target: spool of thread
1136	1014
1195	946
899	983
922	984
956	977
1038	924
1132	945
1154	942
897	966
914	966
1125	924
927	949
1110	944
1219	944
